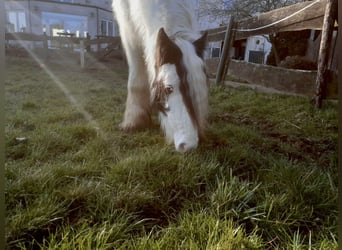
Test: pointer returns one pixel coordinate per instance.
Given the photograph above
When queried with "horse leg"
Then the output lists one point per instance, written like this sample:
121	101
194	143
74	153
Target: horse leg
138	108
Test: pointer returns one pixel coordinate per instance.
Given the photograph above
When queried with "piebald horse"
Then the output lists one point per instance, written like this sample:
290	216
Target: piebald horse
164	52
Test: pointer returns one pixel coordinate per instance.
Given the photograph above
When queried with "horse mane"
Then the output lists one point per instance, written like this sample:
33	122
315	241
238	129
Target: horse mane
194	66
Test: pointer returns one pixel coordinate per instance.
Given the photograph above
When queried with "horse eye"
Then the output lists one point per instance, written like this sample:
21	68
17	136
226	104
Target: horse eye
168	89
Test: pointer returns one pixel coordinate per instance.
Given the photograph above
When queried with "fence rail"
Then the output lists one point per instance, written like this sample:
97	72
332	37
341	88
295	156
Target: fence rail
83	44
306	15
21	36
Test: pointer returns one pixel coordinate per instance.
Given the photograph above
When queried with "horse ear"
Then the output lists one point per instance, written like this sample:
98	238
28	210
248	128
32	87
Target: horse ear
167	51
200	44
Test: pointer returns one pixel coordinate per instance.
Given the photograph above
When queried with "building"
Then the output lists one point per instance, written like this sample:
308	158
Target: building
255	49
78	17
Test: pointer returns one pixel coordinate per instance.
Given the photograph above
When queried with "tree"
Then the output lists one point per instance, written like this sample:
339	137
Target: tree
222	9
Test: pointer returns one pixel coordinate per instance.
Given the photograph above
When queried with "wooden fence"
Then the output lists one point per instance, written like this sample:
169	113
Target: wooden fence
318	15
306	15
69	42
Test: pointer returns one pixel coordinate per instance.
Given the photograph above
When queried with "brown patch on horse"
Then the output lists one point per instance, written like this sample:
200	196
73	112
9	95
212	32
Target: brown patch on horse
185	91
160	94
166	52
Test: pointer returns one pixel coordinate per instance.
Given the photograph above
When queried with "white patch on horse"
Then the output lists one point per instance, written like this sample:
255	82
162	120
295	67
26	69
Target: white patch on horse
176	123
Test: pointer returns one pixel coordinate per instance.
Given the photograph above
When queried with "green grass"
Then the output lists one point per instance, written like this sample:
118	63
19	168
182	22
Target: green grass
264	178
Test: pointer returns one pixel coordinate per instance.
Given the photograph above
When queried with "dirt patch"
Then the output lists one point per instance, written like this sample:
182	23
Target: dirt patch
296	147
258	88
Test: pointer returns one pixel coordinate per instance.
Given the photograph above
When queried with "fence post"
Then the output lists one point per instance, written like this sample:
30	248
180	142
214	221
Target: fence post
224	60
45	47
82	53
123	53
87	47
323	58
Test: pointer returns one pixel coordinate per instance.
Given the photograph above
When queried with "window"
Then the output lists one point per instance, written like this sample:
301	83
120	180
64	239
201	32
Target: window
107	28
215	52
63	1
256	56
103	28
16	21
57	22
110	28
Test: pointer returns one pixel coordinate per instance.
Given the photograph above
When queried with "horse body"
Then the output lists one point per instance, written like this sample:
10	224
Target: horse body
166	70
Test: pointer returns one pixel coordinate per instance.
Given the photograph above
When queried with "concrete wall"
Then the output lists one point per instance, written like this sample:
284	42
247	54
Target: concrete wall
301	82
294	81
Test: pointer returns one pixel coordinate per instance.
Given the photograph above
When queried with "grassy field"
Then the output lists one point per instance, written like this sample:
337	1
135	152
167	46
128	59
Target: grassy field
265	178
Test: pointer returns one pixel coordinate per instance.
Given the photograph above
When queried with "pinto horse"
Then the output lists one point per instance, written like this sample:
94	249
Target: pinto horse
167	73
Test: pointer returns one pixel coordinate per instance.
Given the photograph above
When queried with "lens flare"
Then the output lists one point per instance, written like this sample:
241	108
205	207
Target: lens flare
86	115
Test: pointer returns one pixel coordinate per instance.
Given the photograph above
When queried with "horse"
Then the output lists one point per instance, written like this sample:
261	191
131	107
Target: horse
167	75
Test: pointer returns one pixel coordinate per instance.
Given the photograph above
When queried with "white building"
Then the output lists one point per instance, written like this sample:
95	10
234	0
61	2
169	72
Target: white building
79	17
257	49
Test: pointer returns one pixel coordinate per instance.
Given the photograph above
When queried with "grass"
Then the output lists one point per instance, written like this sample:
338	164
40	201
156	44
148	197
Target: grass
265	178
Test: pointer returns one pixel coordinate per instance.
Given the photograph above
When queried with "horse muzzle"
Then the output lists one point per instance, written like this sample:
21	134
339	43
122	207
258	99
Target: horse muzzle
184	144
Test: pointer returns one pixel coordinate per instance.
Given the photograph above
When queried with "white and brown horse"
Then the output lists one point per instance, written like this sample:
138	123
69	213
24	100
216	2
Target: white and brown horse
166	70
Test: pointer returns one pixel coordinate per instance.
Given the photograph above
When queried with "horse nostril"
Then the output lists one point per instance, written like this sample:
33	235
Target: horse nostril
184	148
184	145
181	148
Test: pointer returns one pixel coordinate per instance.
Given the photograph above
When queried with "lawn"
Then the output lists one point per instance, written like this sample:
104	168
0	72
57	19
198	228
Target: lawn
264	178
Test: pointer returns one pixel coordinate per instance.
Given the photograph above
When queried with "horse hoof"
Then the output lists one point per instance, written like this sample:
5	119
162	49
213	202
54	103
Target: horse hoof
129	128
126	128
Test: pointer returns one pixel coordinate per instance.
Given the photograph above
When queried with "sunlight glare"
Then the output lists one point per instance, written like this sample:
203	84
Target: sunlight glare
86	115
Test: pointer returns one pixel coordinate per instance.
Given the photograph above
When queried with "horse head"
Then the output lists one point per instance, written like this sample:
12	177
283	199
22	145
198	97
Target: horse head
180	89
